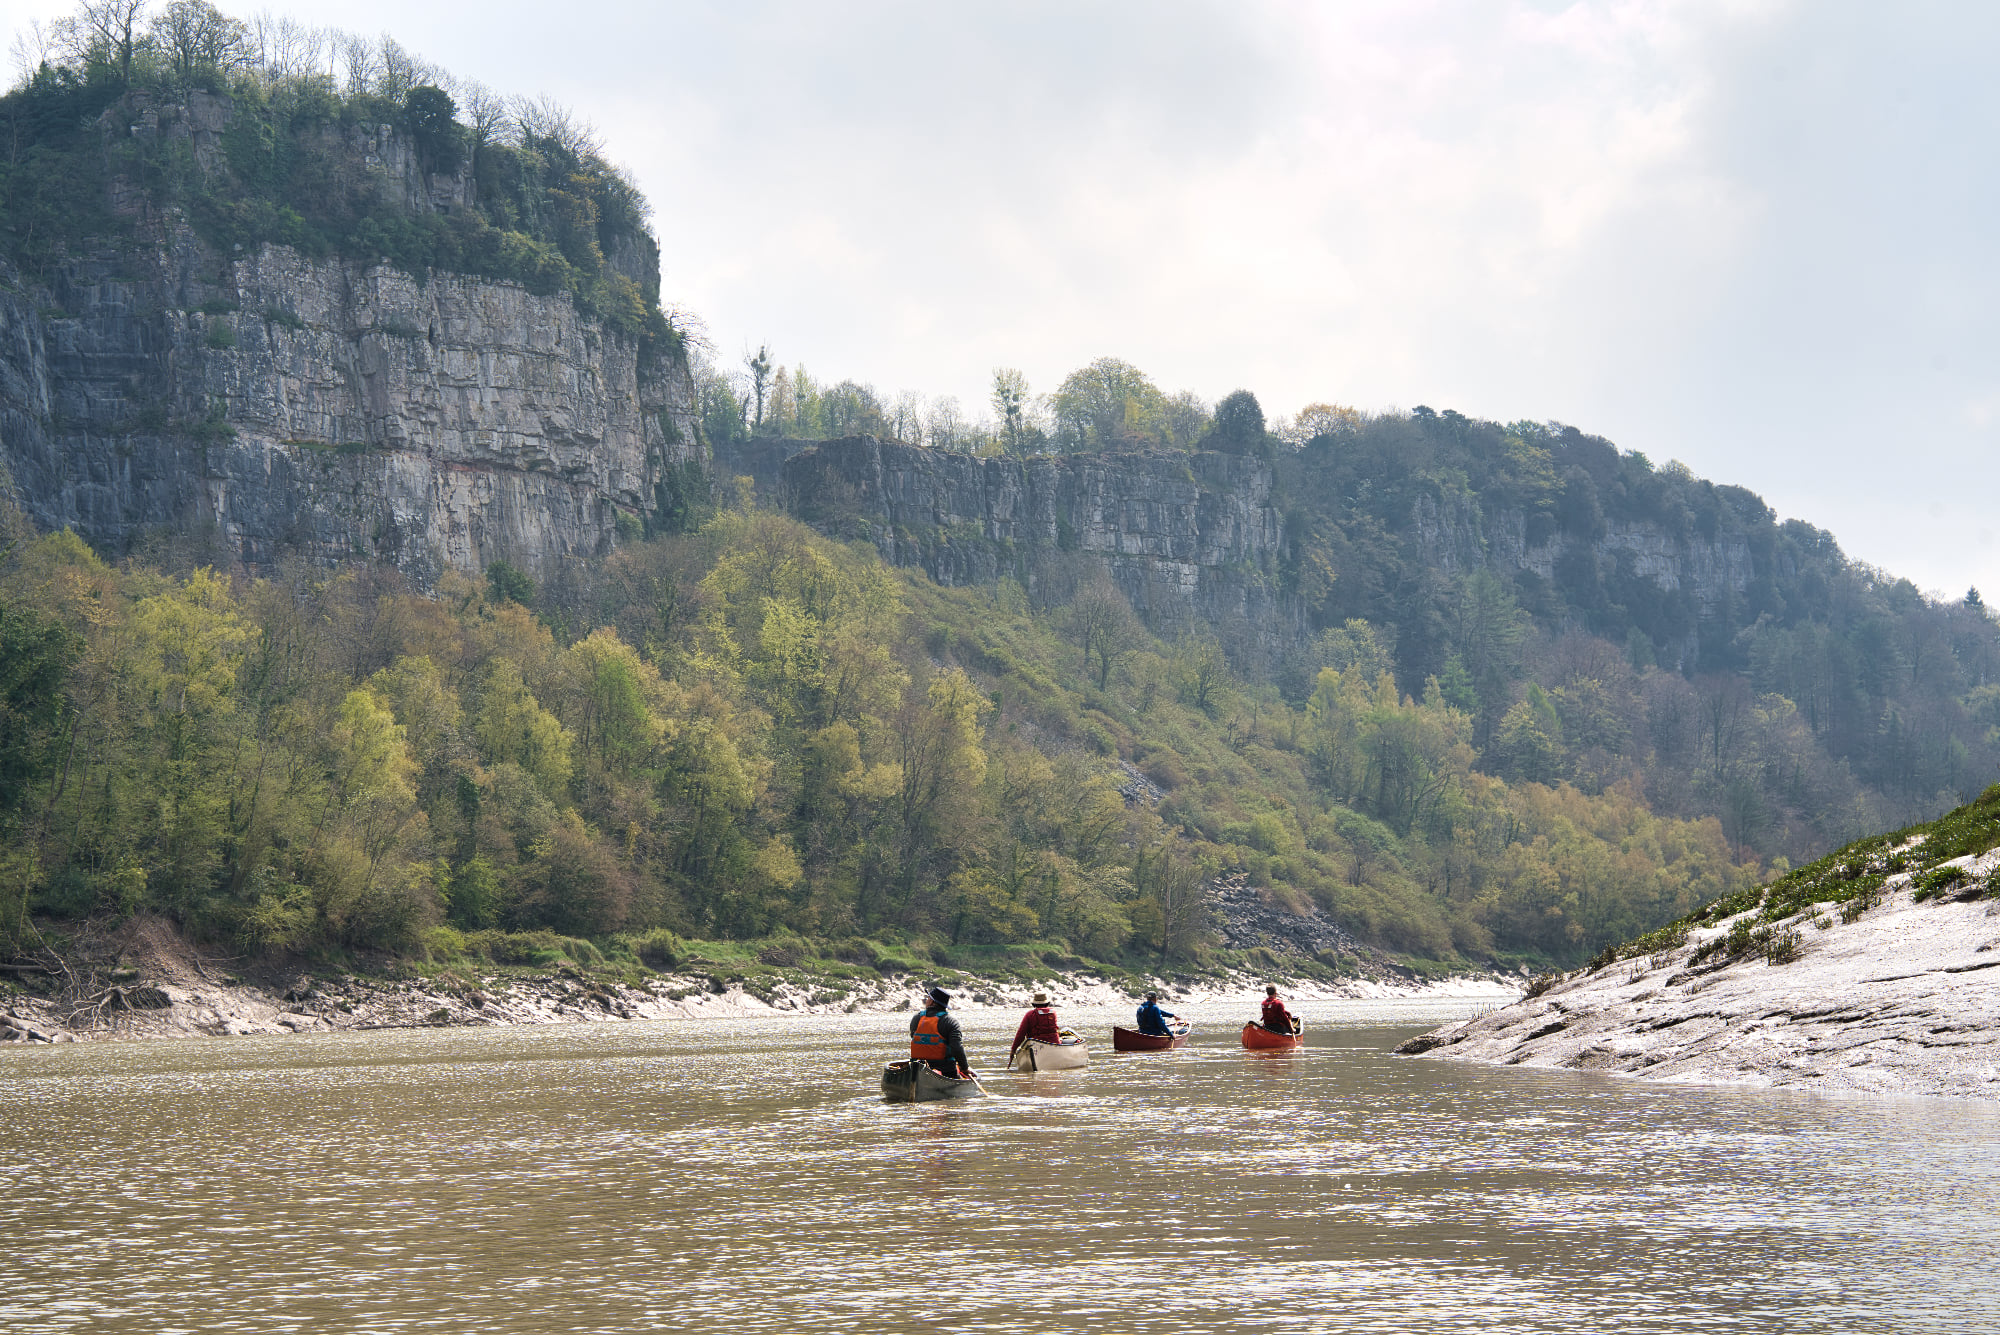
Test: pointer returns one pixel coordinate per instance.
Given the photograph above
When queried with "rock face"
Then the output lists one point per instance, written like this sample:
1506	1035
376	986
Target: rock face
1905	999
1451	539
333	408
1186	537
1453	536
336	408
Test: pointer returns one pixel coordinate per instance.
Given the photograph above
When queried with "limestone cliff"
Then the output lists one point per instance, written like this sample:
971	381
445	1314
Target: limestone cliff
1705	571
1185	537
341	409
337	407
1203	538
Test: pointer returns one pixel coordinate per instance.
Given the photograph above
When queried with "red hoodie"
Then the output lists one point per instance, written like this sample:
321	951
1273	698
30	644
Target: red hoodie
1276	1018
1038	1023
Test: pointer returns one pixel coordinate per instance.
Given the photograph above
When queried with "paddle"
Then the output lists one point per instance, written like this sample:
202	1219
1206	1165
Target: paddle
973	1076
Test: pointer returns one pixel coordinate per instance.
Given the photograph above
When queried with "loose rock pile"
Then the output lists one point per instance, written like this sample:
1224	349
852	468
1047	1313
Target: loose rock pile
1247	921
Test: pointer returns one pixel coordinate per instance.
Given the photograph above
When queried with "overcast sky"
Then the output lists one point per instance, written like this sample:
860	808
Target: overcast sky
1755	236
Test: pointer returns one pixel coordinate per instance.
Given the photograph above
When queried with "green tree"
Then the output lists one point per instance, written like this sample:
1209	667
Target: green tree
1108	405
1200	672
941	765
759	366
1528	744
1239	425
510	584
36	654
432	118
512	727
199	42
1010	404
615	690
1171	913
188	641
1102	624
371	789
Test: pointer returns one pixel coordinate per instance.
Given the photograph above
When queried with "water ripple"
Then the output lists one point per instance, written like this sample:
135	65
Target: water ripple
742	1176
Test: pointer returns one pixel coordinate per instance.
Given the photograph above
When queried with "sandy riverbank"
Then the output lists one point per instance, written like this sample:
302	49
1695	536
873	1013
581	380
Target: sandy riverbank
176	992
1904	999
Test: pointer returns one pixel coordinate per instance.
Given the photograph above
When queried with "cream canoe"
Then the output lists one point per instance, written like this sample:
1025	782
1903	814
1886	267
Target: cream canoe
1037	1055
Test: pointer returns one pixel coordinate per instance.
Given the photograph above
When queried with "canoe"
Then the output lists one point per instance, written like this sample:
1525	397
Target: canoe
1257	1038
1131	1040
916	1082
1071	1054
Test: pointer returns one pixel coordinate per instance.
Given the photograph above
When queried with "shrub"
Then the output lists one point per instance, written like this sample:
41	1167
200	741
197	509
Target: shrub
1852	909
1936	882
542	948
1741	939
220	334
442	943
657	949
1165	768
854	950
783	954
510	584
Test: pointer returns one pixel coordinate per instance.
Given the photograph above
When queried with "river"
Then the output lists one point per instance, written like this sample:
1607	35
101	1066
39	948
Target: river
744	1176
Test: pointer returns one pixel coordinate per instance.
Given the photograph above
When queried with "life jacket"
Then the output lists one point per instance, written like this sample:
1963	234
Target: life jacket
1041	1023
926	1043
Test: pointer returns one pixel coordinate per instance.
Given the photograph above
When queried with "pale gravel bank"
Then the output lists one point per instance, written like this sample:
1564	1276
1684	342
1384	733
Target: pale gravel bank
179	994
1904	1000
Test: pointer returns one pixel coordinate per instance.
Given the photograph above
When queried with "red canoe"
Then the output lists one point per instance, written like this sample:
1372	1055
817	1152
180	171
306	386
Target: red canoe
1131	1040
1257	1038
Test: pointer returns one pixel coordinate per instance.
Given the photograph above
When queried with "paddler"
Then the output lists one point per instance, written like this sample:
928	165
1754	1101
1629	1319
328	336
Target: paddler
935	1037
1038	1023
1275	1017
1153	1020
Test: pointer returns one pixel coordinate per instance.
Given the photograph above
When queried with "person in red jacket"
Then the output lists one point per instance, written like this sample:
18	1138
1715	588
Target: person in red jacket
1276	1018
1039	1022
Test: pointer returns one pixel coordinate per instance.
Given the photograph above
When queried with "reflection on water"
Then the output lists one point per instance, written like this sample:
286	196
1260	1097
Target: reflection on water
744	1175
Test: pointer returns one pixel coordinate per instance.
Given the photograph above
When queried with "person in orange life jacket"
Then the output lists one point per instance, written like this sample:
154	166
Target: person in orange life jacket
936	1038
1276	1018
1039	1022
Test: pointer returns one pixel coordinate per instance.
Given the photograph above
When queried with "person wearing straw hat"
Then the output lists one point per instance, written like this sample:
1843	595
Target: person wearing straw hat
936	1038
1039	1022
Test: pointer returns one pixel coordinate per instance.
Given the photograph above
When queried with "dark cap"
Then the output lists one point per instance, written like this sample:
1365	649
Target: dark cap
938	994
1152	996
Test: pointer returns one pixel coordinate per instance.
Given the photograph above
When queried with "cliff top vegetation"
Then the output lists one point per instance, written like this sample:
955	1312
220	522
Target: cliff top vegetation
128	115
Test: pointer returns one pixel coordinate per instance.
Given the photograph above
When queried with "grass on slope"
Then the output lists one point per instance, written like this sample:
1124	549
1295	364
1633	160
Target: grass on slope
1851	878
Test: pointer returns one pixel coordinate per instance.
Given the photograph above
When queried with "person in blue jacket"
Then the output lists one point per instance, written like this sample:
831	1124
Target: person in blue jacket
1153	1020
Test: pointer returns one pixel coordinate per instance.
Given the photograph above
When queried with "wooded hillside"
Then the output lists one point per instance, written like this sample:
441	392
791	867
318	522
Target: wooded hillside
746	730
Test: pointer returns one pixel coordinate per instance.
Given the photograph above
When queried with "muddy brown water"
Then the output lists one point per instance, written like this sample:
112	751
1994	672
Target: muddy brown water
745	1176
